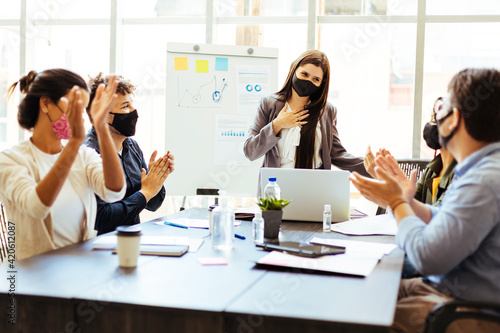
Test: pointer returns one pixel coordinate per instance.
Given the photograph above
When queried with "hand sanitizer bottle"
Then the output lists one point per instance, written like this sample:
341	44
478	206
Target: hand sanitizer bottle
222	224
327	218
258	228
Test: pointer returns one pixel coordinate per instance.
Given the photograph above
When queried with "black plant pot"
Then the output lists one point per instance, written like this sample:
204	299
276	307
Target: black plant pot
272	223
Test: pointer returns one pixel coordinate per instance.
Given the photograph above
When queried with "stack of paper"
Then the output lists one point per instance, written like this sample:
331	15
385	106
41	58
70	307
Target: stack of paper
341	263
378	225
356	248
110	242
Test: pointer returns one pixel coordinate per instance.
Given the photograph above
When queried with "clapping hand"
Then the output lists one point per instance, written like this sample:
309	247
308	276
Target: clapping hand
369	160
390	184
170	161
158	172
74	113
104	99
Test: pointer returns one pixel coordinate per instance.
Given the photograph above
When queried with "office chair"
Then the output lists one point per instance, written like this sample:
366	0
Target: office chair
408	165
443	314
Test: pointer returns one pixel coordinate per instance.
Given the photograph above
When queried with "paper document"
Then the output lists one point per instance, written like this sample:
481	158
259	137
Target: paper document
110	242
356	214
252	83
368	249
340	263
193	223
365	206
230	135
377	225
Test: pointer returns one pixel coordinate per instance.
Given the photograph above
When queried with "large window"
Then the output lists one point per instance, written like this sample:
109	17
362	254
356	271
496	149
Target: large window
372	84
390	59
9	73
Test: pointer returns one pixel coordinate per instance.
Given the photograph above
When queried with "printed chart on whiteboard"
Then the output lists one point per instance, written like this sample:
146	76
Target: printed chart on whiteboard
230	135
202	85
253	84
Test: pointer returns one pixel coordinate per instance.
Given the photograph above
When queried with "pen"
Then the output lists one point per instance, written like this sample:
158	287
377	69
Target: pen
175	225
239	236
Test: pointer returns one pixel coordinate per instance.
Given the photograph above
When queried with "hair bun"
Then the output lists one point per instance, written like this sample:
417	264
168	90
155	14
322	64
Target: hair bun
25	81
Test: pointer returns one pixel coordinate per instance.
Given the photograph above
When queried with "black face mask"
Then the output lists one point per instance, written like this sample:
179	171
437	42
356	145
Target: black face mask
125	122
443	140
431	136
303	87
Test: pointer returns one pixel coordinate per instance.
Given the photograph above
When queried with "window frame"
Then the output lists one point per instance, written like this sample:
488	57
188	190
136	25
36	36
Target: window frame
115	21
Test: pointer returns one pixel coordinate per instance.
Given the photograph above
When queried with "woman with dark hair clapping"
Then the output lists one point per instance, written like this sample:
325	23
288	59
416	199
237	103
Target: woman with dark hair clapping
47	184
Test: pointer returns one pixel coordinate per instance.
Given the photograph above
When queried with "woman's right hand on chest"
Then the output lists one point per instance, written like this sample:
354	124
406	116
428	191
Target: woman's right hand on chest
289	119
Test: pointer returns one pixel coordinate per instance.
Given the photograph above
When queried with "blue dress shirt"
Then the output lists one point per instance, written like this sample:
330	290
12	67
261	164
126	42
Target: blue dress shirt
459	250
126	211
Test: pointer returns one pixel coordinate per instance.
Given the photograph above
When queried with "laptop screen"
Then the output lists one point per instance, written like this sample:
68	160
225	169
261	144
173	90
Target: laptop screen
309	191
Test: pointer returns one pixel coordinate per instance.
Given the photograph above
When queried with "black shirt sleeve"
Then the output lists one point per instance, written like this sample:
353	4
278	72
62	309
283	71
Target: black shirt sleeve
124	212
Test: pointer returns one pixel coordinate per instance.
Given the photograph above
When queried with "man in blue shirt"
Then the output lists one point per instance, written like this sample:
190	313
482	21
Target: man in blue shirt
455	246
144	189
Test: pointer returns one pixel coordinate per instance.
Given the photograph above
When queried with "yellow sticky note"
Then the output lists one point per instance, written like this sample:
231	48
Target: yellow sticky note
181	63
201	66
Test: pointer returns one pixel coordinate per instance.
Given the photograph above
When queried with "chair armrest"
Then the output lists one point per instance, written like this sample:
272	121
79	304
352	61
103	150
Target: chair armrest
443	314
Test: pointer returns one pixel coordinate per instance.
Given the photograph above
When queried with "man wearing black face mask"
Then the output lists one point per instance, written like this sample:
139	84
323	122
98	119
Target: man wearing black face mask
438	174
144	189
454	246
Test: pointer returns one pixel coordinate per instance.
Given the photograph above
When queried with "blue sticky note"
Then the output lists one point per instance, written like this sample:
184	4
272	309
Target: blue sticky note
221	64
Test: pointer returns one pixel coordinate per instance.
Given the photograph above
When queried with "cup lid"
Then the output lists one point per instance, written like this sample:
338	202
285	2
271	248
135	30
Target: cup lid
126	230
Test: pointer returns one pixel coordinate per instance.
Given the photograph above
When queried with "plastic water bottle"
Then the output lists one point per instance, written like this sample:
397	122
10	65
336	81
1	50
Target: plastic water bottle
272	190
327	218
258	228
222	224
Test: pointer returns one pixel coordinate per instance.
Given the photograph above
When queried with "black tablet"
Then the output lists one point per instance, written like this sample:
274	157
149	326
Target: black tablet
303	249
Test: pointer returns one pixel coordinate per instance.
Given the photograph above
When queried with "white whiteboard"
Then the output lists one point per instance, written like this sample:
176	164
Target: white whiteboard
212	97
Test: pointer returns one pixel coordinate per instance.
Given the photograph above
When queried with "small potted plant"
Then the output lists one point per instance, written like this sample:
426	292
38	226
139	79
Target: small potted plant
273	214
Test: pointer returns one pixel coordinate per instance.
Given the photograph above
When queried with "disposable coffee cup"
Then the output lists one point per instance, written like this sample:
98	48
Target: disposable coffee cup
129	241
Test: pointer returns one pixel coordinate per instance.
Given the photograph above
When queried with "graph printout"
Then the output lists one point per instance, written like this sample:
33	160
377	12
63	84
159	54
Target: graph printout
230	134
253	83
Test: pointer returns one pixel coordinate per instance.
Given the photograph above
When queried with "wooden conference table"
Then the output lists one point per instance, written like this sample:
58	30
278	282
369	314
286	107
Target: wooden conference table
76	289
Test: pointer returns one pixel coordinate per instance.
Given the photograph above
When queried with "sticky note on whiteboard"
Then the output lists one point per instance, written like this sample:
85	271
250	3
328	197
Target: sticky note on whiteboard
221	64
201	66
181	63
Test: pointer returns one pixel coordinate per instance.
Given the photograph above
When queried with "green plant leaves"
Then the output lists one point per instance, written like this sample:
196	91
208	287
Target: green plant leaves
272	203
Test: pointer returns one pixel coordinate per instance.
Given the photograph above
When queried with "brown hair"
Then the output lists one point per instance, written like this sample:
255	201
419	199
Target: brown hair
123	87
475	92
53	83
433	115
305	151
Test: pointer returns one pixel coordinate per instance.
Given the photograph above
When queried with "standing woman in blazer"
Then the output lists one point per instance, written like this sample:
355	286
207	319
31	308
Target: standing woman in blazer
296	127
47	183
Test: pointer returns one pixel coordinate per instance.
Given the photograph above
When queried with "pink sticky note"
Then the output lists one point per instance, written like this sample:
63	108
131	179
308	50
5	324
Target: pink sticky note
212	261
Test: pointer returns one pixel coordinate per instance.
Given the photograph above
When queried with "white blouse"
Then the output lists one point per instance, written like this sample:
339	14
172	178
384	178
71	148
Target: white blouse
290	139
68	213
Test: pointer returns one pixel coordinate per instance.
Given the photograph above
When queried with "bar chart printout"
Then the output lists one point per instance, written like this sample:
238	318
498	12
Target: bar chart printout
230	135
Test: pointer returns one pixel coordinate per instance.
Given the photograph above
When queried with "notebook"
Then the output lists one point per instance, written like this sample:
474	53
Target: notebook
162	250
309	191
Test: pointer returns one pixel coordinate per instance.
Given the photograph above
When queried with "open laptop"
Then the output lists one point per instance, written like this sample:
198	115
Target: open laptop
309	191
